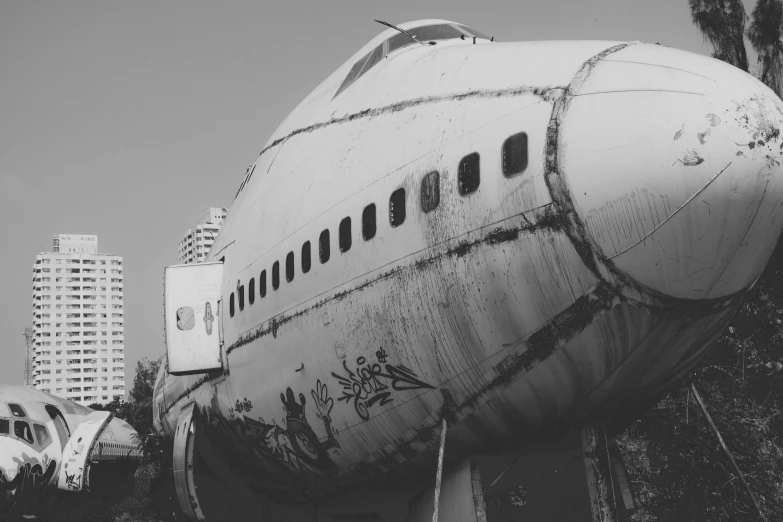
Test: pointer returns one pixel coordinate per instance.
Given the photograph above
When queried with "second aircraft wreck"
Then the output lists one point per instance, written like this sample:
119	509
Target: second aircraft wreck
52	450
522	238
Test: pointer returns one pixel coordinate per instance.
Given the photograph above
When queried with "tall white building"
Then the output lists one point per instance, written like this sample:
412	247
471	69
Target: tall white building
196	242
79	346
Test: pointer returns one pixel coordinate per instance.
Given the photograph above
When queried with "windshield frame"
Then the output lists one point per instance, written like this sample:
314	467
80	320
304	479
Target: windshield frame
364	65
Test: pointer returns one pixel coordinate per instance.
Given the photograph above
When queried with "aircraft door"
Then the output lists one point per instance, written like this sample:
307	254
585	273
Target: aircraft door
74	473
63	433
191	295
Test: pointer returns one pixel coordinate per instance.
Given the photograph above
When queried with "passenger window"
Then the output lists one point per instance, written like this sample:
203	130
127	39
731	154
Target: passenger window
323	246
468	175
231	305
345	235
42	434
262	283
397	207
306	257
368	222
22	430
17	410
251	290
515	154
289	267
5	427
276	275
241	291
430	191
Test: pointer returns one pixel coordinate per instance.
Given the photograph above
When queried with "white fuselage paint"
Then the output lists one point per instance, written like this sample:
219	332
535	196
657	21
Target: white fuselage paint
580	287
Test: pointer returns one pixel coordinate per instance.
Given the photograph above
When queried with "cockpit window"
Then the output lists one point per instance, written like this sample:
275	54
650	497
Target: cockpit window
472	31
17	410
44	439
22	430
5	426
353	74
424	34
374	58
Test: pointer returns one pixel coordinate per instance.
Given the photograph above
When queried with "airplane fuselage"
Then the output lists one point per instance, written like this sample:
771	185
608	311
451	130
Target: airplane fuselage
522	237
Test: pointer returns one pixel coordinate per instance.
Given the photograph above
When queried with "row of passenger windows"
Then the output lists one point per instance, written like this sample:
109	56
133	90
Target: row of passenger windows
514	161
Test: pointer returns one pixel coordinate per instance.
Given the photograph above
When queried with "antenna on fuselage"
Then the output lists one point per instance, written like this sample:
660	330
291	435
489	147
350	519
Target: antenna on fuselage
402	31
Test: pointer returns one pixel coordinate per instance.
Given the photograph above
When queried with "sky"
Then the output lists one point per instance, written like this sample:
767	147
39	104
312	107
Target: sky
130	119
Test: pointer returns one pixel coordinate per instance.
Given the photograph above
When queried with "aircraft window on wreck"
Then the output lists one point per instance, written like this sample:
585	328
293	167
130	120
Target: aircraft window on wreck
364	64
276	275
515	154
262	284
397	207
469	174
323	246
472	31
5	427
241	292
251	290
306	257
368	222
17	410
424	34
374	58
289	267
345	235
231	305
42	434
430	191
22	430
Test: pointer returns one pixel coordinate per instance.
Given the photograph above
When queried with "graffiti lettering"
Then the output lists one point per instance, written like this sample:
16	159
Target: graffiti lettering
73	481
369	384
29	480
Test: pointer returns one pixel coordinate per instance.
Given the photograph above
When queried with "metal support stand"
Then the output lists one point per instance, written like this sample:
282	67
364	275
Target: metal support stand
440	469
621	475
599	474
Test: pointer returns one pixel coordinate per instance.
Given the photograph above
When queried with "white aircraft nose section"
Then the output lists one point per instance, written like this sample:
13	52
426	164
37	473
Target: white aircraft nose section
676	171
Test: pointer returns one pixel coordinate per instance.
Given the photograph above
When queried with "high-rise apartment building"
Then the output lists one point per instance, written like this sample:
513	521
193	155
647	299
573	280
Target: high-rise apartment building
196	242
79	345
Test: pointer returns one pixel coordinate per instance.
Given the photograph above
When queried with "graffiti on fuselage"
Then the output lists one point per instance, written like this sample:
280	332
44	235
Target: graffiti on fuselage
324	405
372	384
74	481
31	477
244	405
265	449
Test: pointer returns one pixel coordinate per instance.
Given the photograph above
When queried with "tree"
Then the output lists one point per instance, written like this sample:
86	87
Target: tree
722	22
764	34
138	410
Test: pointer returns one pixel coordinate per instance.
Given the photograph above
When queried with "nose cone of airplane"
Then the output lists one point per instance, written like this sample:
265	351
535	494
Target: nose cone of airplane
673	161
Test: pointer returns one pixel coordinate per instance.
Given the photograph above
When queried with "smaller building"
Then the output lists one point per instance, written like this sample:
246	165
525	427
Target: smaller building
196	242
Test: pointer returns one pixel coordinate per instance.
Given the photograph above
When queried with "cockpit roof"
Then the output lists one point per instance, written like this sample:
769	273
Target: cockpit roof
428	32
